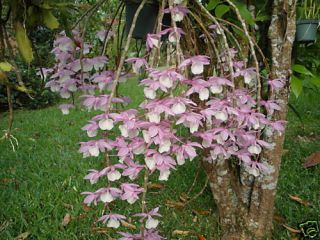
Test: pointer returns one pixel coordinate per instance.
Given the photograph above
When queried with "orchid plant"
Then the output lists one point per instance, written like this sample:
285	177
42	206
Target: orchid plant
219	114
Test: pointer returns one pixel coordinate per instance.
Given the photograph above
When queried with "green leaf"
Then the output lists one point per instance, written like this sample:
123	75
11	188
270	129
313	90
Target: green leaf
212	4
240	33
221	10
22	89
5	66
245	13
296	86
49	19
24	43
262	18
315	81
301	69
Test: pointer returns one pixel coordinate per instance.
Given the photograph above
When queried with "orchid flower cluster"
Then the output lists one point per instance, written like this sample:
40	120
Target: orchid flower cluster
180	119
76	71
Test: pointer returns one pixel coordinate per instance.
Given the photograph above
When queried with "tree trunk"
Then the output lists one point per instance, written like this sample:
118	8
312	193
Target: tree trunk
246	203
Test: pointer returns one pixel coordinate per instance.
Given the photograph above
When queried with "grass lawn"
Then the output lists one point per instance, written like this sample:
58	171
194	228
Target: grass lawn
41	182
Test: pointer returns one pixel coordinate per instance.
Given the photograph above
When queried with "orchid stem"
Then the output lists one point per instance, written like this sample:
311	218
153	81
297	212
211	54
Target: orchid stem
143	199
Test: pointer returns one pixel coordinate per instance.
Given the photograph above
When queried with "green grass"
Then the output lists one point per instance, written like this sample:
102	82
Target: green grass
44	177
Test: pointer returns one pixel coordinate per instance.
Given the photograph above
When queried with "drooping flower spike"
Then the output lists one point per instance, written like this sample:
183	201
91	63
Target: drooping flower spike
197	63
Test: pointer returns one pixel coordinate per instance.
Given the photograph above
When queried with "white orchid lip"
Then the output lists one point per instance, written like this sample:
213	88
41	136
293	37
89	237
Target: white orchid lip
55	88
146	136
65	94
204	94
94	151
206	143
64	78
101	85
193	127
216	89
180	161
166	81
248	78
154	117
133	133
106	197
165	146
72	88
131	200
139	150
113	223
178	108
151	223
106	124
177	17
150	162
197	68
92	133
254	149
155	42
221	115
253	171
124	131
164	175
149	93
65	111
256	126
114	175
172	38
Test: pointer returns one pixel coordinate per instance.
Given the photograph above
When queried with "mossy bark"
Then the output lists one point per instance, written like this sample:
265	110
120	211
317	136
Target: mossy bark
246	203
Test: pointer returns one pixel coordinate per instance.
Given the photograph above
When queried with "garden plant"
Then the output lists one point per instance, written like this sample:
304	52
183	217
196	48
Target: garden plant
212	95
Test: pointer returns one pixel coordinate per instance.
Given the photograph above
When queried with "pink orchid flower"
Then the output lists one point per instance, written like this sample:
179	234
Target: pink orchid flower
133	169
113	220
151	222
91	128
103	79
249	75
112	172
179	104
217	83
191	120
186	151
62	75
129	236
152	234
173	35
138	63
271	106
93	176
53	85
65	44
65	108
199	86
131	192
90	198
178	12
153	41
197	63
277	84
107	195
94	147
99	62
164	163
101	35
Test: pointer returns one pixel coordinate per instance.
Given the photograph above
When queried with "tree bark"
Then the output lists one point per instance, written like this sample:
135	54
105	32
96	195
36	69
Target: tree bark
246	203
